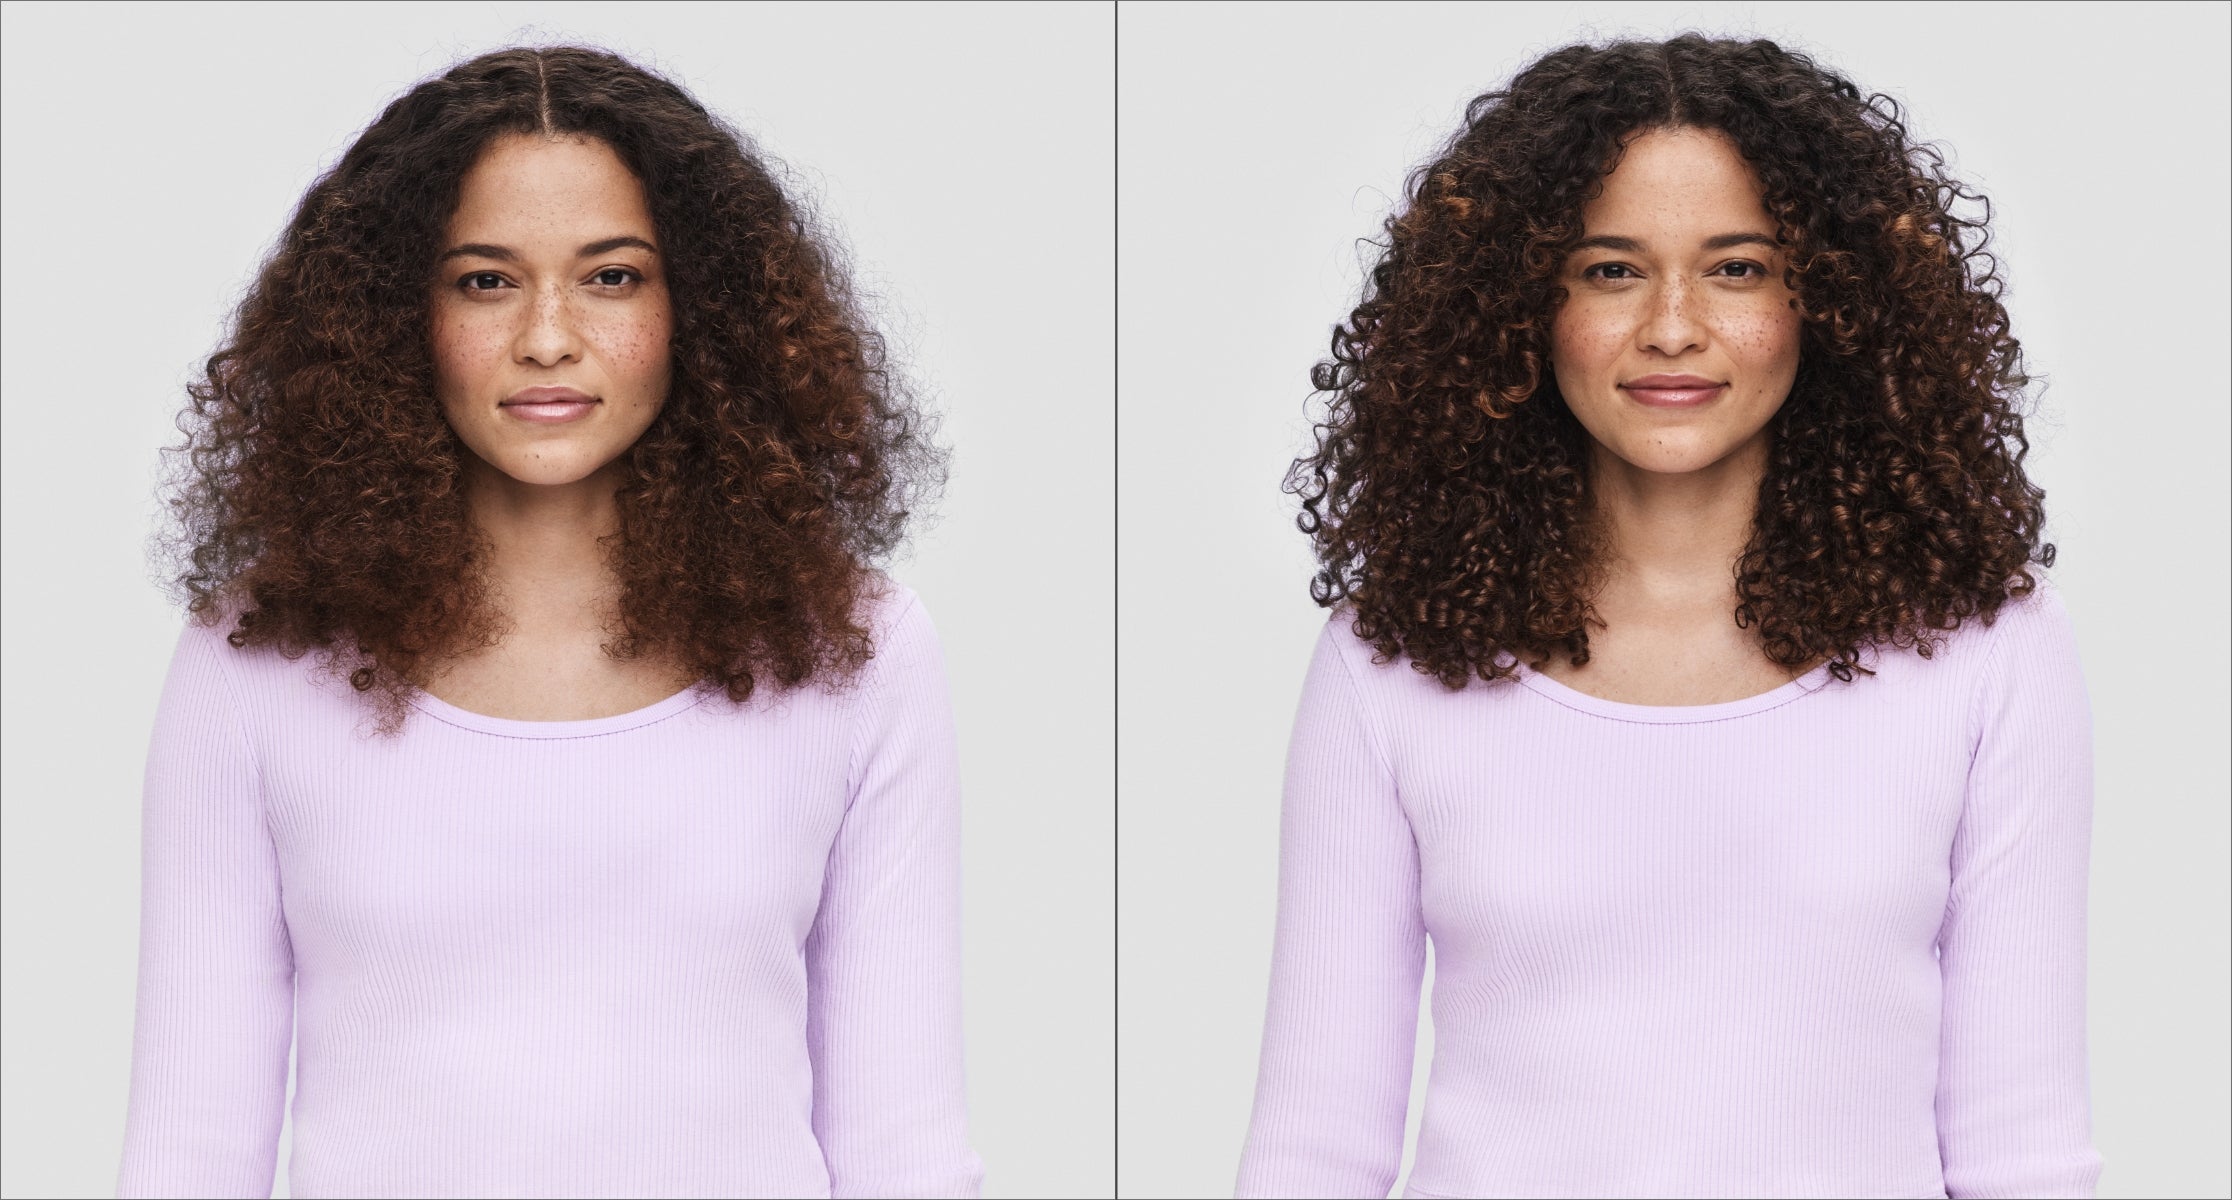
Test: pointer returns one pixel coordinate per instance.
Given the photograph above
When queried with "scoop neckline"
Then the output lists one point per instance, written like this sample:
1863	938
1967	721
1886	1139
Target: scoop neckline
450	714
1671	714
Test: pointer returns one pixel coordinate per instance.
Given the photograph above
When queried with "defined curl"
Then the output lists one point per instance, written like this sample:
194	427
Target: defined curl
1448	495
317	496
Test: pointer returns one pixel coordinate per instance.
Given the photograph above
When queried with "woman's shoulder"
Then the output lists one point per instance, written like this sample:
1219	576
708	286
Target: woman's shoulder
1373	671
1337	638
1946	670
893	614
205	639
263	677
2033	622
2031	640
2037	618
903	643
249	687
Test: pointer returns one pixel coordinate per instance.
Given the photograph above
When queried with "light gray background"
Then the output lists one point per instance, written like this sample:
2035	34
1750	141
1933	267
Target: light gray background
1258	142
153	153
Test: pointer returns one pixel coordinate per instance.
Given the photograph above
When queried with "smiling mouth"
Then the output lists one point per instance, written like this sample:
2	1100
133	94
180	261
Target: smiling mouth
1683	395
549	411
549	403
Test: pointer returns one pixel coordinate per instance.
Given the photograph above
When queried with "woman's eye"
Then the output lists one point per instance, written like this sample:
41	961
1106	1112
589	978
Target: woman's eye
482	281
1745	268
1608	271
615	276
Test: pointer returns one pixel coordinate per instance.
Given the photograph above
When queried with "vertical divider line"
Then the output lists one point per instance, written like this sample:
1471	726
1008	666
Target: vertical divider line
1116	601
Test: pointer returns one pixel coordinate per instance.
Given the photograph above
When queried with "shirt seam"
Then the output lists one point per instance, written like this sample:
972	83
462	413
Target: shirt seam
1372	736
872	685
1569	706
1997	640
237	705
703	689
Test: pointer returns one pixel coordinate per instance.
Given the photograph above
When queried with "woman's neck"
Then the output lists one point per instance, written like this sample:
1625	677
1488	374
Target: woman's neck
1676	537
547	568
555	604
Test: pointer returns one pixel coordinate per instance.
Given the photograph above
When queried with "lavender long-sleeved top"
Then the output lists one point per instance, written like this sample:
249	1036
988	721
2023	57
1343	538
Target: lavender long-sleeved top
1824	941
699	949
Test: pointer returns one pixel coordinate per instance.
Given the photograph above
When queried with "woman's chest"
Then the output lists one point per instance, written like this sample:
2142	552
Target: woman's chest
1627	831
503	838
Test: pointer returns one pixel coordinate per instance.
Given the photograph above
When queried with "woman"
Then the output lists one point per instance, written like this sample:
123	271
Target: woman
614	851
1687	683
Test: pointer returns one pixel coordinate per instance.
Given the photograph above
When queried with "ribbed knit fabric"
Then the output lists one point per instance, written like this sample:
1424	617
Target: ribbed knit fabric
1824	941
700	949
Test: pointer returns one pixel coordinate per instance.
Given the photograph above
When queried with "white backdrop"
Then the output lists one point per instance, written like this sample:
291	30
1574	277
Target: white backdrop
1258	142
153	153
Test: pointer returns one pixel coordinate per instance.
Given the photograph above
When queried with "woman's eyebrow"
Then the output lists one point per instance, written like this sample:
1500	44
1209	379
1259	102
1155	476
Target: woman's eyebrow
479	250
1628	245
1726	240
507	254
614	243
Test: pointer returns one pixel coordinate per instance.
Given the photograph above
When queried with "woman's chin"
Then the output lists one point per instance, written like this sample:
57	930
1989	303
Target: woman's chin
547	470
1670	460
1675	451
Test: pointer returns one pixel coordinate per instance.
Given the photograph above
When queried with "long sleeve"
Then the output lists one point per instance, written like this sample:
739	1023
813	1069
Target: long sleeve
215	1007
1333	1082
2012	1108
884	957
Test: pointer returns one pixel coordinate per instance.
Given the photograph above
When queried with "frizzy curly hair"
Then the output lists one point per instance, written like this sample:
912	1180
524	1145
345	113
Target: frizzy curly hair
318	495
1448	494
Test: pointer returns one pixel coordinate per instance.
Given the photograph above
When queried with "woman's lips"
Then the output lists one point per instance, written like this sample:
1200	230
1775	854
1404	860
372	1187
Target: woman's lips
1681	396
549	405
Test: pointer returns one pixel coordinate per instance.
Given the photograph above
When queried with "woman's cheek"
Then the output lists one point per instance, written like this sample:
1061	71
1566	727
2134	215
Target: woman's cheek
1770	328
1745	338
639	348
1587	338
1764	345
463	351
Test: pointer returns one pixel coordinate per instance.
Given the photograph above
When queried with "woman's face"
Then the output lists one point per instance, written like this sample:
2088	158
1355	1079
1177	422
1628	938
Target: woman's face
1677	341
550	312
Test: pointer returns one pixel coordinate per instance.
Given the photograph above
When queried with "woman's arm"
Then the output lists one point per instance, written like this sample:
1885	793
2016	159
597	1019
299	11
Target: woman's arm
216	973
2014	1118
884	959
1333	1083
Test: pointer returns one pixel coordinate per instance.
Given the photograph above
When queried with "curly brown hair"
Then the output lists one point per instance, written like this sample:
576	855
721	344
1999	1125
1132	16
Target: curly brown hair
1448	496
317	494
